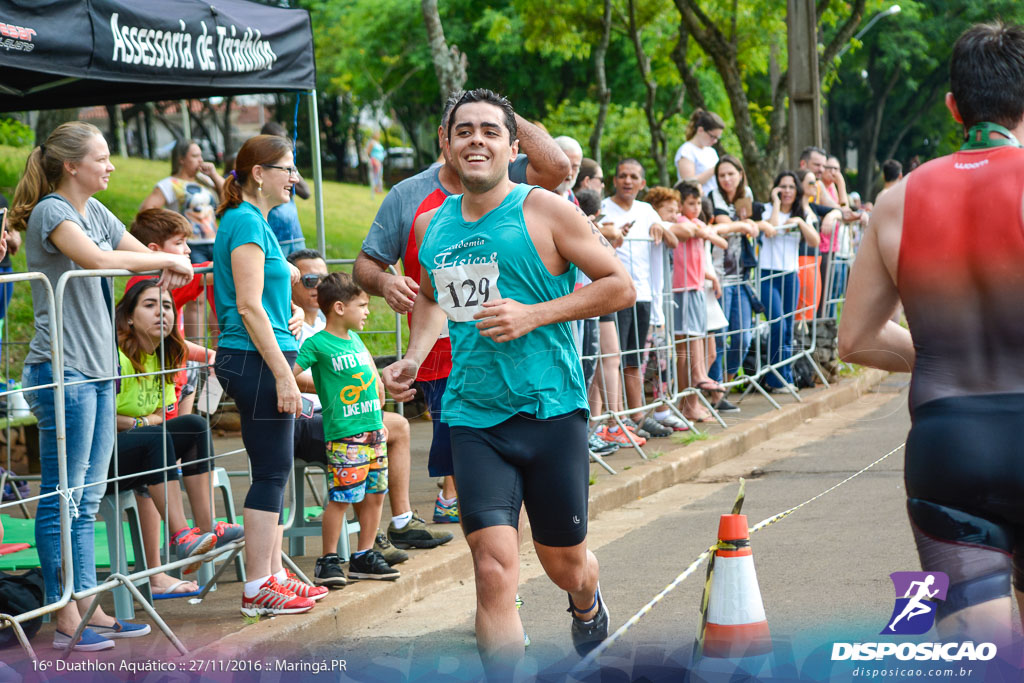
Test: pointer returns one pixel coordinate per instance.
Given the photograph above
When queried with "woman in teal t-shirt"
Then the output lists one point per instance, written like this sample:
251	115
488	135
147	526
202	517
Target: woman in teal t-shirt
252	286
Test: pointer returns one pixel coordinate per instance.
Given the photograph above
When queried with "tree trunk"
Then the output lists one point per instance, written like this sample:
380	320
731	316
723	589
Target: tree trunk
226	128
604	94
870	132
655	123
449	62
147	118
724	55
49	119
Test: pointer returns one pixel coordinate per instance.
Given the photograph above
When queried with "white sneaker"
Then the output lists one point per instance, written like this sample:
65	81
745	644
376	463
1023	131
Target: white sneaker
673	423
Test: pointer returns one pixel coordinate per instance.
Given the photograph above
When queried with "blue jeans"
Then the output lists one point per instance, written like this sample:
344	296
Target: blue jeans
736	304
90	429
779	291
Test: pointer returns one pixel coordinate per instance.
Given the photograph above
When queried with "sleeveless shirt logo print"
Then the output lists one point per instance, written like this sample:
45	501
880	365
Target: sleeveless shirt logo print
465	283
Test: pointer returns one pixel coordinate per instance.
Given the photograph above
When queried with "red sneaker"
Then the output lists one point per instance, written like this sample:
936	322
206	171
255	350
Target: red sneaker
303	589
274	598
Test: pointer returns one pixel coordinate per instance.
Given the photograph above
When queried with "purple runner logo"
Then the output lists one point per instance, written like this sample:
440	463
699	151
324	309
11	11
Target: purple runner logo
916	593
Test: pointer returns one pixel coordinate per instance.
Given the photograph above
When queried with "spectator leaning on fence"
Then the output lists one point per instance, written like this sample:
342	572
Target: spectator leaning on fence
642	253
733	202
696	158
167	231
680	211
252	282
69	230
778	259
809	260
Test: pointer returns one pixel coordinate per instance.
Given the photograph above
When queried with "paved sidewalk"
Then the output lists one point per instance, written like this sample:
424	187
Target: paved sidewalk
219	638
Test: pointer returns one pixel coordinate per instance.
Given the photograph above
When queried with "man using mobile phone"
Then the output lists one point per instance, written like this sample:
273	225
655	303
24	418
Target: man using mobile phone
642	254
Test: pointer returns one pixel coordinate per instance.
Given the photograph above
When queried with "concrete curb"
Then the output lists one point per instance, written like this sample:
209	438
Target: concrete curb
452	562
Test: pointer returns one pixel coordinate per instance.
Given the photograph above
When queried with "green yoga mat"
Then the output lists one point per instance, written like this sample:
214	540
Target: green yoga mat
18	530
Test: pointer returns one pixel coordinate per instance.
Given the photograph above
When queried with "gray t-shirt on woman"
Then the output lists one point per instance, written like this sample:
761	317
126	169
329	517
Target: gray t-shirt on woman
88	327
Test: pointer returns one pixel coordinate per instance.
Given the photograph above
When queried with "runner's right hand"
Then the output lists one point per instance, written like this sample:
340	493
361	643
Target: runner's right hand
398	379
400	292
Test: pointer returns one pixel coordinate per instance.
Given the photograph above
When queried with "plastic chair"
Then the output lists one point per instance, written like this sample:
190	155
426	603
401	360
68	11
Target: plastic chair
124	606
301	527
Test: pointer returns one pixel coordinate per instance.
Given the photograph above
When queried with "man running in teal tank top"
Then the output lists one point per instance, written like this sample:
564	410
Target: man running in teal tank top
500	262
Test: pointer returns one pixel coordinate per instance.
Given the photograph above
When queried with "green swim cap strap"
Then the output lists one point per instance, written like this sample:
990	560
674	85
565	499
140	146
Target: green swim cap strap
978	137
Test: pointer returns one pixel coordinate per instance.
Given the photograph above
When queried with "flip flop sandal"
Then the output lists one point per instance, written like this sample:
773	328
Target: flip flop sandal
172	592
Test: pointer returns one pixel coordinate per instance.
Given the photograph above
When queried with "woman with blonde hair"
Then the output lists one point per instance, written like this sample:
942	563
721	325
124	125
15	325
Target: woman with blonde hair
67	229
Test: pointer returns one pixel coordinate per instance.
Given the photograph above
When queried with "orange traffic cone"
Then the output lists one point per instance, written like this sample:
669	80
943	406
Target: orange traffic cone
736	623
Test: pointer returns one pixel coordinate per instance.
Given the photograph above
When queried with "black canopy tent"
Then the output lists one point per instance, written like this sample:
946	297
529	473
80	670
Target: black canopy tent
76	53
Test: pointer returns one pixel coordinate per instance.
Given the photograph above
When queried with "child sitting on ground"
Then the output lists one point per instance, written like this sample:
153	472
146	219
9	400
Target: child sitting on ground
346	380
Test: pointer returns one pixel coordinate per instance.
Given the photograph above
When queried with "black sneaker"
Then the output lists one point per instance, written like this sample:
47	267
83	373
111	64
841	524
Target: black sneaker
586	635
371	565
416	534
392	555
328	572
724	406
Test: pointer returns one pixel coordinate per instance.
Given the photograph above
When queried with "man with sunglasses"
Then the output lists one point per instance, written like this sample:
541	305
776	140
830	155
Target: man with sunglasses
309	431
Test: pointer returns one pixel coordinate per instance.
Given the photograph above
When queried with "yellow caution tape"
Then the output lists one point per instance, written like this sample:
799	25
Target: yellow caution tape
587	661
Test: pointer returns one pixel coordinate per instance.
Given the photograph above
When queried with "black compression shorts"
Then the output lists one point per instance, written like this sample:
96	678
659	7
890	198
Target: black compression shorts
542	463
964	475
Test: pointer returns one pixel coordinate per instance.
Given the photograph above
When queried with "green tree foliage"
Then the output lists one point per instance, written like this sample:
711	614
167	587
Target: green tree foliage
887	100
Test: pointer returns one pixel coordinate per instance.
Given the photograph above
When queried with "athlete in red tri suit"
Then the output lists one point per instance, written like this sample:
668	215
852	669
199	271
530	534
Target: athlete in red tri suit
948	242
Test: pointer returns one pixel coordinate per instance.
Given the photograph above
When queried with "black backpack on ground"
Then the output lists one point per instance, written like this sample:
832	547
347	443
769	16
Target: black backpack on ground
20	593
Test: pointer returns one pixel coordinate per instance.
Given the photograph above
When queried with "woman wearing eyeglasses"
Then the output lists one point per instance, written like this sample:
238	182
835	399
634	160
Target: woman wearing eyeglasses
696	158
252	286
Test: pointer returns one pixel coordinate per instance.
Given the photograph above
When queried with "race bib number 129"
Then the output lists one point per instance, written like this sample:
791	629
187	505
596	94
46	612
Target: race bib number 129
462	290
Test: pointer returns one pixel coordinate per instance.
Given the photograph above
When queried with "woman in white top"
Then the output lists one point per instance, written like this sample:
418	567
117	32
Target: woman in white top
696	158
778	260
193	190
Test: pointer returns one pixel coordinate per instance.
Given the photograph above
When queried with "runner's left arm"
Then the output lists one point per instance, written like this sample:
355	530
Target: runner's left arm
576	240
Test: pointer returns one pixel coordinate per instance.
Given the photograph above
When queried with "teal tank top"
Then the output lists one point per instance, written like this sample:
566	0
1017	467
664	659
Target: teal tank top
540	373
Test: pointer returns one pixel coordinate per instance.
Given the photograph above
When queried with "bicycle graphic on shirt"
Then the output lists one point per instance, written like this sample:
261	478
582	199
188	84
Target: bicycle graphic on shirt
351	394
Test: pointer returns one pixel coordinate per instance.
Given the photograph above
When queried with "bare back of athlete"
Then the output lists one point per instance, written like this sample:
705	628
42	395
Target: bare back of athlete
957	268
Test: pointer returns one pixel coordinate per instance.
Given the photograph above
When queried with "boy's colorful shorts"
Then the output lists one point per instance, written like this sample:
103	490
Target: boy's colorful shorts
357	465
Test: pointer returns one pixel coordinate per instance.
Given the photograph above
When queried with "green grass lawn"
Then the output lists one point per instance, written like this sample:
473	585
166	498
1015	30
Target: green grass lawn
348	213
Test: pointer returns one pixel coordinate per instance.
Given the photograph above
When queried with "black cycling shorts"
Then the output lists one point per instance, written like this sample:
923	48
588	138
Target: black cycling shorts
542	463
964	474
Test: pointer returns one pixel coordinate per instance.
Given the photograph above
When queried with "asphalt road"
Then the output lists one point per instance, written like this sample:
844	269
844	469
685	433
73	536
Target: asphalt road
823	571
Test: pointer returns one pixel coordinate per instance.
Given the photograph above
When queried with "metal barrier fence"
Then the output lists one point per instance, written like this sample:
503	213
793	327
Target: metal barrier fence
761	347
69	494
622	393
